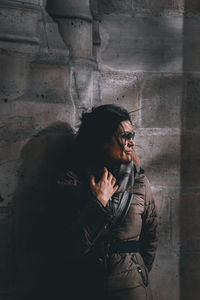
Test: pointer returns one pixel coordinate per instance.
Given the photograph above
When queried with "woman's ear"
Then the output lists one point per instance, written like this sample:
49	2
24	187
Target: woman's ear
136	159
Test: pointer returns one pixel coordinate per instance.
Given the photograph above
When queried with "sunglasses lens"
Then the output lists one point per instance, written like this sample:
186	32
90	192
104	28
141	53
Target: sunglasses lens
129	135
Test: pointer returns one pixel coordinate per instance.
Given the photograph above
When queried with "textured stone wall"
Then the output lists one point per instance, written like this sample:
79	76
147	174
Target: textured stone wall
190	156
50	54
150	63
34	93
49	73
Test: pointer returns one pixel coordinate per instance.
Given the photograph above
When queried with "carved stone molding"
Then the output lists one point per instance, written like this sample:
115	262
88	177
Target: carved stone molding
18	30
80	34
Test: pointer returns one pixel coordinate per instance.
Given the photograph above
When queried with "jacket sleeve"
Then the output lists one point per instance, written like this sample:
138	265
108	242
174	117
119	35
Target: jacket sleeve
149	233
82	217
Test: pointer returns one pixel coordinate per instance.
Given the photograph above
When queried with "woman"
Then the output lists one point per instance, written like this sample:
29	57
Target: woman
108	247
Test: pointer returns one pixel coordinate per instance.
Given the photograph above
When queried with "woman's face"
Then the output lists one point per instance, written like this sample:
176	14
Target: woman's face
120	149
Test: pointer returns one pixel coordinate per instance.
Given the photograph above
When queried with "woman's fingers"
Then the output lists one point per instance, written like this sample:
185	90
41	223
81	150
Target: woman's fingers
92	180
105	188
110	176
105	173
113	180
115	188
107	181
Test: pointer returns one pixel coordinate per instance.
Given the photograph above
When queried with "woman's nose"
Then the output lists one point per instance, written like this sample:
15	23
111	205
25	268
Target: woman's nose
131	142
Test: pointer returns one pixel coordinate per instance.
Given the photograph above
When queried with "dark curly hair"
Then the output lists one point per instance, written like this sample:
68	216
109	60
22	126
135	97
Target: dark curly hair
97	128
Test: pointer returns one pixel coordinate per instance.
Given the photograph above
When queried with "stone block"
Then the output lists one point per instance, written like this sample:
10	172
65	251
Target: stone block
96	95
48	83
146	43
191	44
191	104
114	6
163	206
52	46
17	127
38	81
189	276
158	6
29	2
161	98
165	277
45	115
189	222
121	89
13	77
81	86
77	35
130	6
69	8
175	198
19	29
191	7
84	85
190	161
16	123
54	39
10	149
167	203
160	157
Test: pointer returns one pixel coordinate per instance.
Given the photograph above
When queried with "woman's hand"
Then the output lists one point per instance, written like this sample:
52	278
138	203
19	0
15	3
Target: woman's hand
105	188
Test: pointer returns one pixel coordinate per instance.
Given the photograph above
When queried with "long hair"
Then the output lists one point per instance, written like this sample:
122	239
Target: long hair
97	128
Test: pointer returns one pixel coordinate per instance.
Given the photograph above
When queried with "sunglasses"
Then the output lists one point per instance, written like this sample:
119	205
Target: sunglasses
127	136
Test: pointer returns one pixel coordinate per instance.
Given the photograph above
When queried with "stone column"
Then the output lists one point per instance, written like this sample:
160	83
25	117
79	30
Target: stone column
19	42
49	67
75	25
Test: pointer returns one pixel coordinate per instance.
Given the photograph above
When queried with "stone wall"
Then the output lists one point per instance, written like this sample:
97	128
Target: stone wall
150	64
60	56
49	72
190	156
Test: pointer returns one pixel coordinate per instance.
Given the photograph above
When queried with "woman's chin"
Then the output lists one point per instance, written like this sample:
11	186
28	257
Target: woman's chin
127	158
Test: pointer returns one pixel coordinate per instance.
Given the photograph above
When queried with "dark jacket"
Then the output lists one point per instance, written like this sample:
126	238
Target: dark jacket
83	217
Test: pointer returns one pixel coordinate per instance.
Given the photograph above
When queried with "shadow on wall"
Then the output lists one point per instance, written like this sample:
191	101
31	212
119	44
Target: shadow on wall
43	157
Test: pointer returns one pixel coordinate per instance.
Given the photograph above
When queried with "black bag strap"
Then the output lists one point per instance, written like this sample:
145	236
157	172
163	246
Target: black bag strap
121	207
120	211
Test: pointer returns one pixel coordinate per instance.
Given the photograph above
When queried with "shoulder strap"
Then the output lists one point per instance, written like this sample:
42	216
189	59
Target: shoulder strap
121	208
